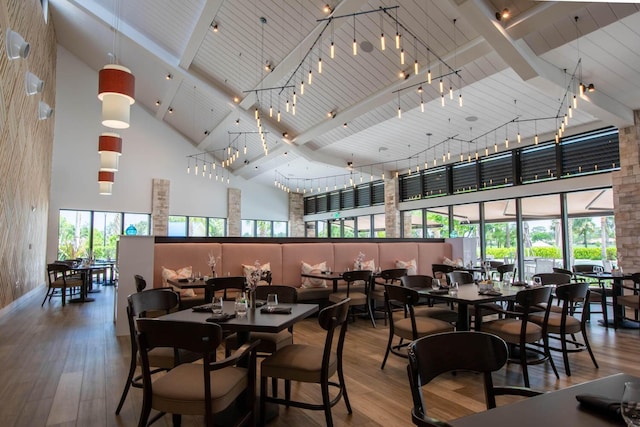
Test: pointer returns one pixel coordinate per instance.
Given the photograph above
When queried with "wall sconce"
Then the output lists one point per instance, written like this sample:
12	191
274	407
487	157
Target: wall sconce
17	47
32	83
44	111
105	182
116	88
110	150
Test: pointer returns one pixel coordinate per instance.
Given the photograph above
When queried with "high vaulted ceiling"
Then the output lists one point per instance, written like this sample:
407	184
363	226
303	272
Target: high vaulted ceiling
515	76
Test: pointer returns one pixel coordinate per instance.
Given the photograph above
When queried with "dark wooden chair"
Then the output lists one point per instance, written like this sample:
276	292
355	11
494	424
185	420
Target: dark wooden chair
600	293
507	268
561	324
222	285
440	271
517	329
434	355
206	388
60	279
149	303
358	286
630	299
426	306
376	293
311	364
410	327
141	284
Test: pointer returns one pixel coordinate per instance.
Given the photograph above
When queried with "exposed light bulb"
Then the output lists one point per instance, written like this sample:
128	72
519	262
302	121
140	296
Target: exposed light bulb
399	112
319	65
536	139
383	43
416	67
355	47
402	56
441	86
429	76
397	40
332	51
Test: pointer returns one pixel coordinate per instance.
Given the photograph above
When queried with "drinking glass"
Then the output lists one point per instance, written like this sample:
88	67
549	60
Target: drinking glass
241	307
216	305
272	301
453	289
537	281
630	405
435	284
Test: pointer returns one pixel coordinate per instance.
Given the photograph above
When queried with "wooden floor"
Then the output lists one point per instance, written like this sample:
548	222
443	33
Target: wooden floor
63	366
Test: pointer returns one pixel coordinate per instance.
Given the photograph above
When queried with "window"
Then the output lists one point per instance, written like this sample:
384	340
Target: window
263	228
177	226
74	231
248	228
197	226
217	227
322	229
349	227
364	226
280	229
500	230
140	222
438	222
542	233
107	227
413	224
379	228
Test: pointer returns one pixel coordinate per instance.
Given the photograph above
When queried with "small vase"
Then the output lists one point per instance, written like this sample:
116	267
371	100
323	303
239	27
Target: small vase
252	299
213	272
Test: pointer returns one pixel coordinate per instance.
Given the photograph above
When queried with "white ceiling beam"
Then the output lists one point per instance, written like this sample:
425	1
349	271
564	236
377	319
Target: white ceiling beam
200	30
540	16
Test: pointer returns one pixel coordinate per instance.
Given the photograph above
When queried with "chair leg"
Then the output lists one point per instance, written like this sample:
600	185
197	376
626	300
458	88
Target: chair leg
177	420
326	401
263	394
144	414
547	352
45	297
132	370
386	354
586	343
343	387
565	354
370	309
287	391
274	387
605	314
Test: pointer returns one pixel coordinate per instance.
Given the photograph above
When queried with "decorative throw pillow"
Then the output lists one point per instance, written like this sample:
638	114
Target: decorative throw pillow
366	265
310	282
411	266
248	269
181	273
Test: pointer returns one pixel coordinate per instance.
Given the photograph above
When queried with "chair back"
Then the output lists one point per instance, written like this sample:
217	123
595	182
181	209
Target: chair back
417	281
141	284
57	271
161	300
357	277
434	355
534	299
562	271
217	284
571	294
462	277
329	319
440	271
495	264
286	294
403	295
554	278
393	275
507	268
585	268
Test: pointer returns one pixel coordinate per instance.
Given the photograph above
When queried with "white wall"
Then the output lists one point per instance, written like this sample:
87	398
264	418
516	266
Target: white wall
151	149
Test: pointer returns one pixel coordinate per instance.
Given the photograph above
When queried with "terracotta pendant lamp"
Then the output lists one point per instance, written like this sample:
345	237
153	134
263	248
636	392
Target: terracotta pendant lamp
116	89
105	181
110	150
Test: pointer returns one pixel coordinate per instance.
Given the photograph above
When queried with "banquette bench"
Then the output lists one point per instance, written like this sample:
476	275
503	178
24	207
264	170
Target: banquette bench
286	255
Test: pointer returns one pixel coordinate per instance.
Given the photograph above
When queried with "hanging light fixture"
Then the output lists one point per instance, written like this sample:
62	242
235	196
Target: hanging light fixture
110	150
116	87
105	182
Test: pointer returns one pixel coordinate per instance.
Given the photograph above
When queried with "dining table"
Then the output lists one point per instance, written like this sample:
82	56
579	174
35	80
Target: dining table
469	295
616	279
326	275
198	283
556	408
86	274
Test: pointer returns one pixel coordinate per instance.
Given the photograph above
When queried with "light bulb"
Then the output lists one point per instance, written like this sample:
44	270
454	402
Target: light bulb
383	43
416	67
397	40
429	76
332	51
355	47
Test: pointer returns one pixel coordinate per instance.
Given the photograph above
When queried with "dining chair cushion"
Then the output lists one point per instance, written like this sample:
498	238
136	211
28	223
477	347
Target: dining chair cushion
310	282
424	326
553	325
436	312
509	330
629	301
358	297
181	390
298	362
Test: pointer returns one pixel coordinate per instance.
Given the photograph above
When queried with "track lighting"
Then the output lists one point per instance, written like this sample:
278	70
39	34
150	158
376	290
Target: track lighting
327	9
214	26
170	110
505	14
158	102
591	87
267	66
168	76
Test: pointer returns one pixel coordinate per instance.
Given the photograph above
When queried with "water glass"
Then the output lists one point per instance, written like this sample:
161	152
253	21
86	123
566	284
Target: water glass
435	284
630	405
216	305
453	289
537	281
272	301
241	307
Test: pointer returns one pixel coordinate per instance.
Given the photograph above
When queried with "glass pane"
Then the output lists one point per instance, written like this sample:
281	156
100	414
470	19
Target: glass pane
364	226
73	234
264	228
438	222
348	227
542	234
379	229
322	229
216	227
334	228
280	229
177	226
466	220
310	229
197	226
413	221
107	227
592	237
500	230
248	228
139	221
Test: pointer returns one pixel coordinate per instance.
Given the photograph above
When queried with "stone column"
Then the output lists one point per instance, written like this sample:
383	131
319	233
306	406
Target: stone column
391	211
296	215
160	207
234	212
626	196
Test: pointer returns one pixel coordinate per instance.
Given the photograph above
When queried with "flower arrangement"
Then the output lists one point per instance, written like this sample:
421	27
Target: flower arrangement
254	277
359	261
213	262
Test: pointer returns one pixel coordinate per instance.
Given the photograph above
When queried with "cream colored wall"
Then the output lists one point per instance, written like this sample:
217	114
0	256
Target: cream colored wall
25	151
